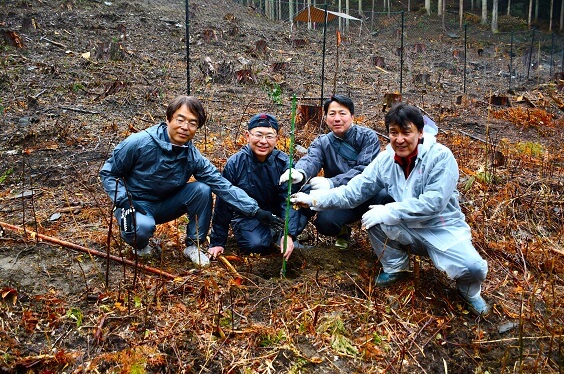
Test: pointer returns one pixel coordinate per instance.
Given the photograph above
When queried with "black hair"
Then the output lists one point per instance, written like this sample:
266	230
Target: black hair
403	114
192	103
341	99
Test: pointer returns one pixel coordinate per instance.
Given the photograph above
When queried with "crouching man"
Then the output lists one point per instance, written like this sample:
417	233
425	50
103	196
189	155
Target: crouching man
421	175
147	179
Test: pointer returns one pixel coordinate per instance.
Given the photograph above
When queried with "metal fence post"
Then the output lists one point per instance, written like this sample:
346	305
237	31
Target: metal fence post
401	53
187	49
465	52
323	61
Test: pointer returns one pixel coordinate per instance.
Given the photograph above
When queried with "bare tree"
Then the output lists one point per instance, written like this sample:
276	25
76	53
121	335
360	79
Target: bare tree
372	18
551	12
562	16
530	13
484	12
347	10
495	15
508	7
461	11
428	6
439	7
291	12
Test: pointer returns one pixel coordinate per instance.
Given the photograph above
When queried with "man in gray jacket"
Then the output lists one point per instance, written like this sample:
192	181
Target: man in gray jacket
342	154
421	175
147	179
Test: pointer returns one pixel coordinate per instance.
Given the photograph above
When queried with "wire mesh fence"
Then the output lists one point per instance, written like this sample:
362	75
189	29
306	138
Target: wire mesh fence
406	52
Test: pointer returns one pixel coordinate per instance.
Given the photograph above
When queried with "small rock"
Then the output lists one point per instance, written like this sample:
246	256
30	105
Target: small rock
507	327
55	216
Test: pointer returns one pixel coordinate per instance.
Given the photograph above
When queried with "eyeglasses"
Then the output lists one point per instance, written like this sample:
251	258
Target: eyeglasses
260	136
181	121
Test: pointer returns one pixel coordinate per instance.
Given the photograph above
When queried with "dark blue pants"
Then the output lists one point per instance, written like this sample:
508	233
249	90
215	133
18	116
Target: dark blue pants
194	199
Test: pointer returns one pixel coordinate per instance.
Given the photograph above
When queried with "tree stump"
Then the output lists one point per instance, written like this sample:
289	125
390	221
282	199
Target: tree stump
278	66
378	61
390	99
307	113
261	46
244	76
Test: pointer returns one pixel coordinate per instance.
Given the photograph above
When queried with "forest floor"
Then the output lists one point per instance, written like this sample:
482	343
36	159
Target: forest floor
77	77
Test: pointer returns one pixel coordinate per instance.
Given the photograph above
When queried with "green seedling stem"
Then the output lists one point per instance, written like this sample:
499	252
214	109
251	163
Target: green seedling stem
288	204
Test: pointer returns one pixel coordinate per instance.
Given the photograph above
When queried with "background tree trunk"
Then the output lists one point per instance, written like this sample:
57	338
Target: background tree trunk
562	15
484	12
530	13
460	11
495	15
428	6
372	18
551	13
347	10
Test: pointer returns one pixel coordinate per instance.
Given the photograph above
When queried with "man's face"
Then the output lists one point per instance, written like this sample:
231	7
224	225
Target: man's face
262	141
404	141
339	118
182	127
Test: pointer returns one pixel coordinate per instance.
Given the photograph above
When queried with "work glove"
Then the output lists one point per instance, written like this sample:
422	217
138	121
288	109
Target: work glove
303	200
127	216
297	177
266	218
374	216
320	183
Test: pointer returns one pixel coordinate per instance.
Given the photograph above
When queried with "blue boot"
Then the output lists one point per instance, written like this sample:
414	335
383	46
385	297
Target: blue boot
387	279
477	305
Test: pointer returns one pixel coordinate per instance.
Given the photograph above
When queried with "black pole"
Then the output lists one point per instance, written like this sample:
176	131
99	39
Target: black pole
323	61
187	49
531	53
465	52
511	61
401	56
562	61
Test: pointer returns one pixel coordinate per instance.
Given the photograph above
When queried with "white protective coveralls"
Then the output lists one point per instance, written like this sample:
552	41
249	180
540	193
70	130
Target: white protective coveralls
425	218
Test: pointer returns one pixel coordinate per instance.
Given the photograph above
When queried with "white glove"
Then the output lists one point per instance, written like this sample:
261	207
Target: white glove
374	216
320	183
302	199
297	177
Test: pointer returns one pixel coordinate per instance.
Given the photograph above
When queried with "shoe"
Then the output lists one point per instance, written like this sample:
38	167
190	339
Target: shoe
343	237
477	305
196	255
147	251
387	279
298	245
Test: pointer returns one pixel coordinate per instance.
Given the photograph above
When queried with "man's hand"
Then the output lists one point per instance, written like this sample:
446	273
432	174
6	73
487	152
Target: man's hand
289	246
266	218
215	251
128	216
320	183
302	199
297	177
374	216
